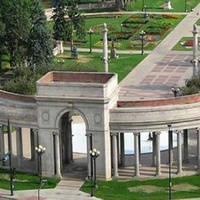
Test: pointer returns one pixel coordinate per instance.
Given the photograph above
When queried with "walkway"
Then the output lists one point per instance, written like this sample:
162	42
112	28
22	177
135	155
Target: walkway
162	68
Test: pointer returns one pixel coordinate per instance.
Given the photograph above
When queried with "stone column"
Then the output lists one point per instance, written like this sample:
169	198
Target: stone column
136	152
195	51
2	142
105	47
36	144
19	145
115	155
158	159
179	153
122	149
154	149
89	147
185	146
57	154
33	144
198	150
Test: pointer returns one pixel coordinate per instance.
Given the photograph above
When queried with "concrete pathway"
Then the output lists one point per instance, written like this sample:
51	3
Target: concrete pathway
162	68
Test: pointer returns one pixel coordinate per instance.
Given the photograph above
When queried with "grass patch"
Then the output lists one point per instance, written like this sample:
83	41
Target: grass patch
24	181
180	47
92	62
157	5
154	189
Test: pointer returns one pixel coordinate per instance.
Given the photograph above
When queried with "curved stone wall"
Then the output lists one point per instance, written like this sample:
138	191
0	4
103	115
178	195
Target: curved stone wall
19	109
155	115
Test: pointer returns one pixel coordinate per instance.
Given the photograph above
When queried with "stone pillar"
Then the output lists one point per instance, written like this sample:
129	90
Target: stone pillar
57	154
170	142
89	147
198	150
122	149
2	142
154	149
179	153
105	47
19	146
36	144
157	149
185	146
136	152
114	155
195	51
33	144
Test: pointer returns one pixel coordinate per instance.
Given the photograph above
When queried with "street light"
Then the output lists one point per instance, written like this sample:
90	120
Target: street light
142	34
94	154
169	154
90	34
175	90
40	150
142	5
121	31
185	5
145	11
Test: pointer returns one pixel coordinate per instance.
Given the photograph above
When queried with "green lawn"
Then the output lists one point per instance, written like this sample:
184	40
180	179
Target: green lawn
177	6
154	189
24	181
122	65
180	47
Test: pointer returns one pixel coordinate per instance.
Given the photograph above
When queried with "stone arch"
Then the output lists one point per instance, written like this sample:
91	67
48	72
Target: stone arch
65	110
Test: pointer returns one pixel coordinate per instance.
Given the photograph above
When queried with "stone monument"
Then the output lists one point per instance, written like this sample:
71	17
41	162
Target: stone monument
195	59
105	47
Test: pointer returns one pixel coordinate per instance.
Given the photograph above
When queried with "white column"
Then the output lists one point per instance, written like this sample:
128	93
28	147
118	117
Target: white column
179	153
89	147
195	50
57	153
115	156
19	145
105	47
136	152
198	150
158	160
2	142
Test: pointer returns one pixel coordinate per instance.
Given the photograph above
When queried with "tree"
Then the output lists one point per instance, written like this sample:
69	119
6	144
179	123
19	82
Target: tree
64	26
39	51
15	16
2	40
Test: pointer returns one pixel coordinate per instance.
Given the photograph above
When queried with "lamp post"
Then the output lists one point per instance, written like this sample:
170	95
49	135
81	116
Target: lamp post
90	34
94	155
185	5
40	150
169	154
142	5
175	90
142	34
121	31
145	11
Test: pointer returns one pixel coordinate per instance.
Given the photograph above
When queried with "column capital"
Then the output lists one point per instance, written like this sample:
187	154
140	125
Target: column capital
114	134
158	132
136	133
88	134
56	132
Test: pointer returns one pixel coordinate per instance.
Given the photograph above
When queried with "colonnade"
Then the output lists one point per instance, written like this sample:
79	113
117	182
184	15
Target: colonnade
118	152
19	151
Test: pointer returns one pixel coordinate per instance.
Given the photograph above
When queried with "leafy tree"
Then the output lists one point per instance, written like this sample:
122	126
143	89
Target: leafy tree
39	51
2	40
192	86
63	26
15	16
